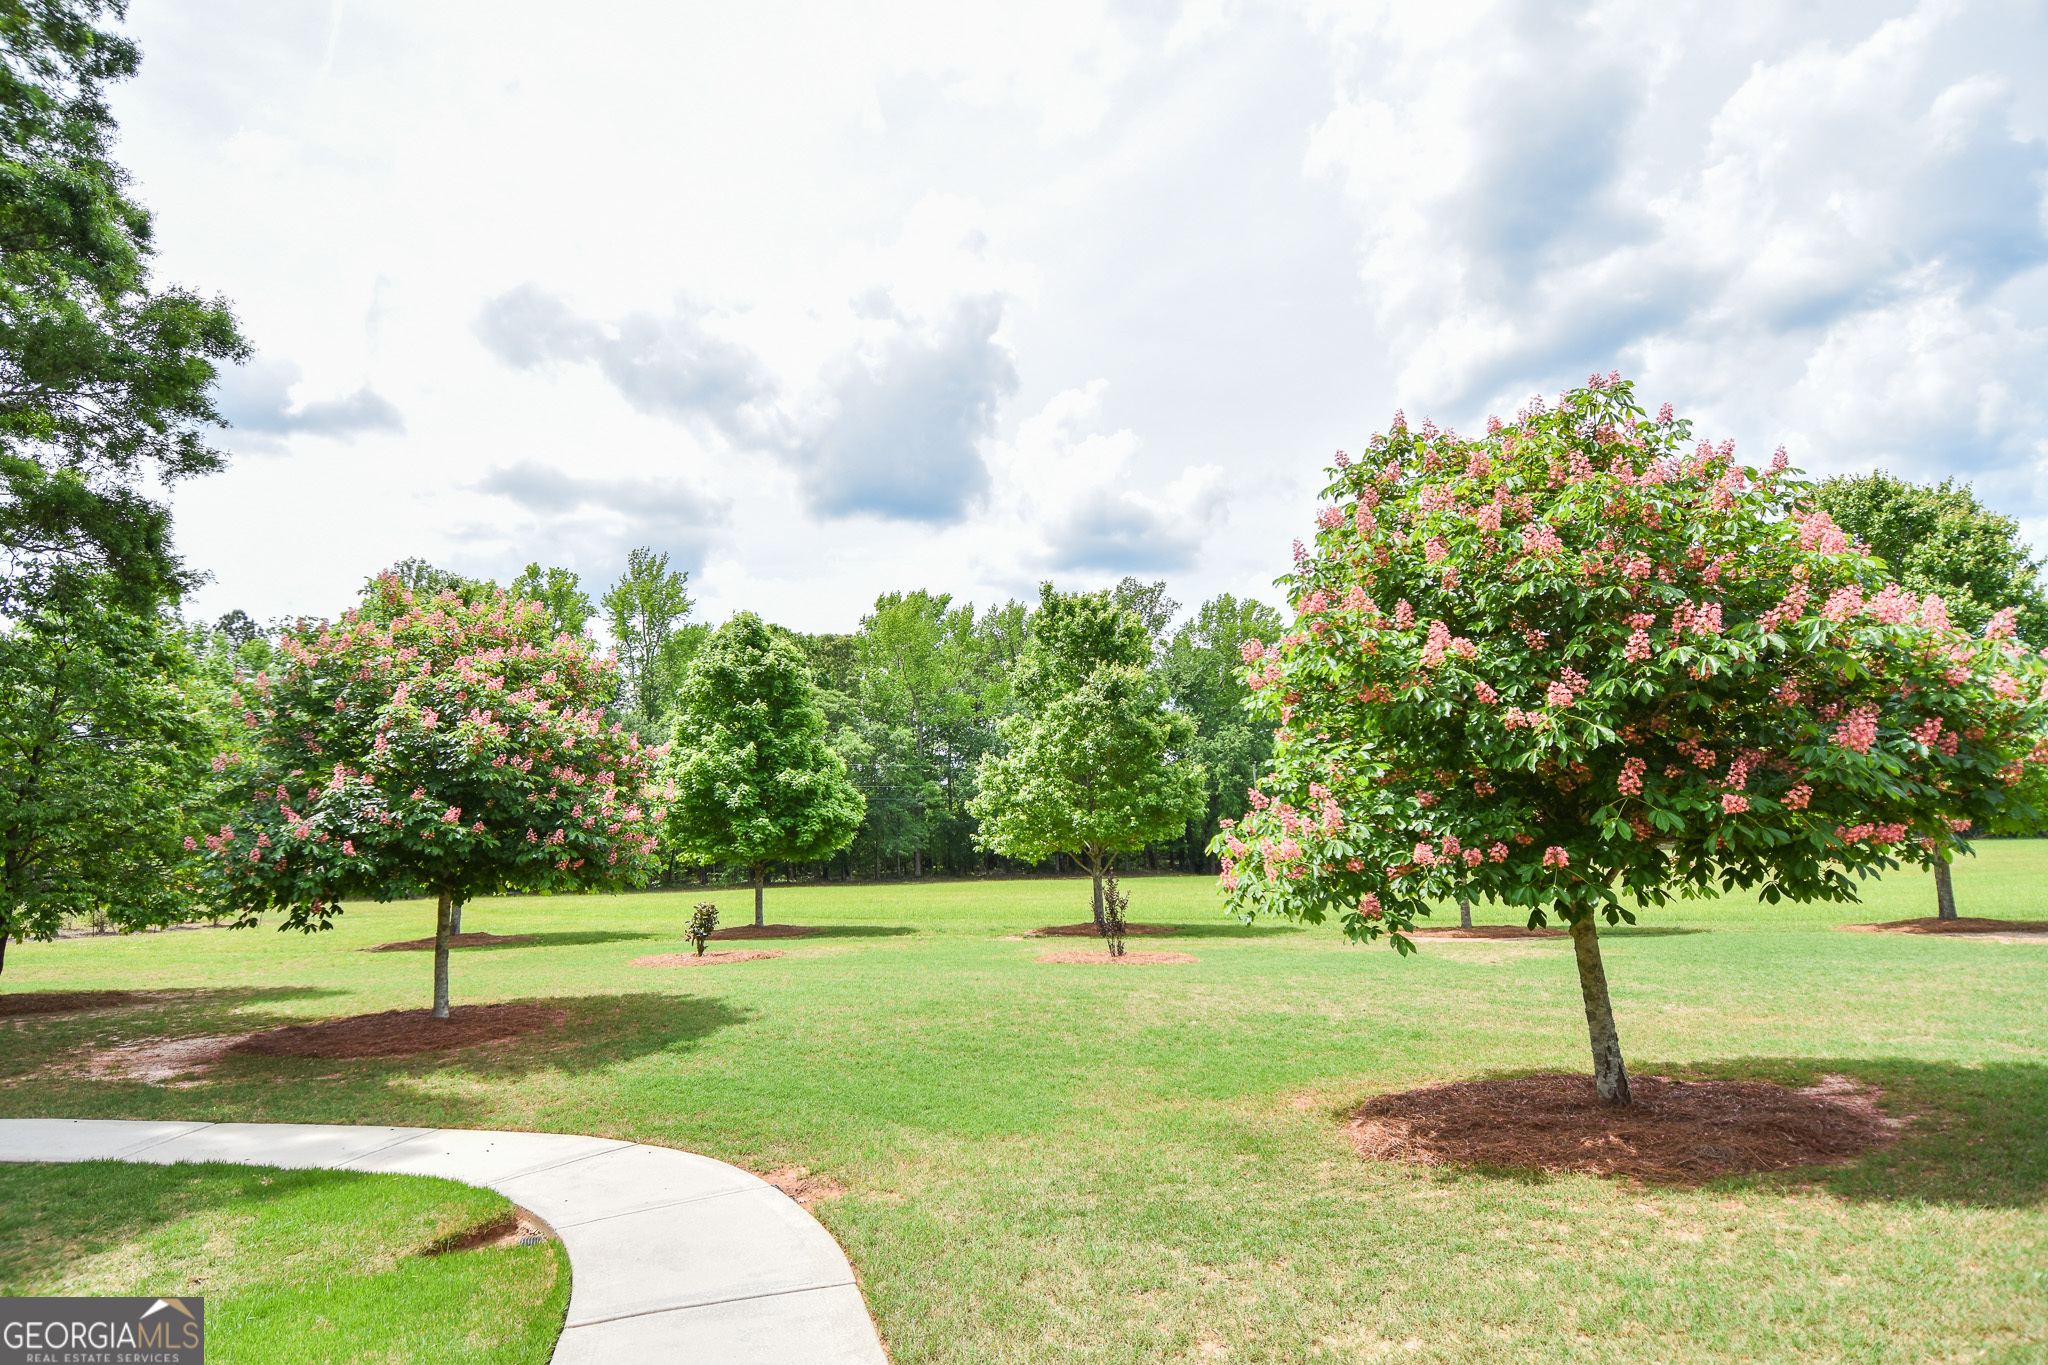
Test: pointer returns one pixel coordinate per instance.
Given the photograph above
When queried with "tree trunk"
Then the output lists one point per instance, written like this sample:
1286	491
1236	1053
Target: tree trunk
1610	1077
1464	912
455	922
442	920
760	875
4	936
1944	892
1095	864
917	862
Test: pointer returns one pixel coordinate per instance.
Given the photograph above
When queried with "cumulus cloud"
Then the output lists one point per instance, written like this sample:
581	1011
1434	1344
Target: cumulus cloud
257	399
893	427
587	520
1831	263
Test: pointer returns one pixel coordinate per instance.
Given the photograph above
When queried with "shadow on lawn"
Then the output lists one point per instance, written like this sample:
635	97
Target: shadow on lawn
567	938
1974	1138
1234	930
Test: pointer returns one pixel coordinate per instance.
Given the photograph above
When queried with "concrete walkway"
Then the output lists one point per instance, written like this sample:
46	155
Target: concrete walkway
673	1257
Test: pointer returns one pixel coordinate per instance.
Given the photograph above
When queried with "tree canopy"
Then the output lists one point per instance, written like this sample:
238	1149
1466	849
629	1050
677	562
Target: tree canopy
754	780
1573	665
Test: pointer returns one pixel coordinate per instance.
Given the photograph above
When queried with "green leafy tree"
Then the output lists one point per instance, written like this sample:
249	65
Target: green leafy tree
1149	603
643	610
105	381
561	592
1579	661
1202	670
1094	763
103	760
457	748
754	780
1938	538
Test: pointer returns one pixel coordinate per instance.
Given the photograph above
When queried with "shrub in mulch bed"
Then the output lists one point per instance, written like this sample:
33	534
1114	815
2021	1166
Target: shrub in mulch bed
706	959
63	1002
1675	1132
1100	957
401	1033
1508	931
1964	924
764	931
426	945
1092	931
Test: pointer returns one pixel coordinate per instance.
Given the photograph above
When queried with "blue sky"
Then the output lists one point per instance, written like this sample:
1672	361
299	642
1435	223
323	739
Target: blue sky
832	300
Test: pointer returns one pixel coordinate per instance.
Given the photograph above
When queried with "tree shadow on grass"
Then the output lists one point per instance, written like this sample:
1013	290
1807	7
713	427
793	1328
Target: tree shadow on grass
1647	931
1229	930
860	930
567	938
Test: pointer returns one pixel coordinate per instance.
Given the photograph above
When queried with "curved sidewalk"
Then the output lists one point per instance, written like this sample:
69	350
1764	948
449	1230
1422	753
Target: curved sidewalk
672	1256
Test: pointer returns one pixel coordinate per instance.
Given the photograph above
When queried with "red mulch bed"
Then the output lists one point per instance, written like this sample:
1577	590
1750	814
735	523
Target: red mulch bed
63	1002
765	931
1962	924
426	945
1490	931
1676	1131
1091	931
707	959
401	1033
1100	957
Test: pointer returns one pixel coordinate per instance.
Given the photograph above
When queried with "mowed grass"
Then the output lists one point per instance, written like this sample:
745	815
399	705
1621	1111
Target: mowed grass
296	1267
1143	1164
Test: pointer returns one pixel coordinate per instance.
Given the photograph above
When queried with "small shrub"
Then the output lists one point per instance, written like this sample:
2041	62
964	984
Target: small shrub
1114	903
703	920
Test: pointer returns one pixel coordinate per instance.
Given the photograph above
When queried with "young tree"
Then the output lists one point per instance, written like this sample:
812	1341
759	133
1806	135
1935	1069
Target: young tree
561	592
754	780
105	382
1572	662
1095	764
643	610
103	760
1938	538
457	748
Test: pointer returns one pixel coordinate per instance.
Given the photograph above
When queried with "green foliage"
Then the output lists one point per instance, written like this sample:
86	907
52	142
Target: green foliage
1938	538
1095	763
1202	670
643	611
103	754
1572	662
703	924
561	592
437	744
754	781
104	381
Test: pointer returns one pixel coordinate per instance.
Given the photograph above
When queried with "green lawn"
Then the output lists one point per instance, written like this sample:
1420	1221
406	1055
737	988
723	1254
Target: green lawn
1145	1164
297	1267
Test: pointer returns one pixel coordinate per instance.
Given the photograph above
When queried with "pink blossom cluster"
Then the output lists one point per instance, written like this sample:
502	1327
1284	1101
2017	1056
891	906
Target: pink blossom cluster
1554	856
1631	780
1858	730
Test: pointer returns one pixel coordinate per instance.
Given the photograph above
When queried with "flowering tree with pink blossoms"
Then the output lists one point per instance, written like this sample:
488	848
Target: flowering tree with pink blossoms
429	745
1579	665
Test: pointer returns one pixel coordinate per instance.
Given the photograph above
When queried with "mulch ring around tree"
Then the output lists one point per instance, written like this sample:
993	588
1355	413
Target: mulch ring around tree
426	945
707	959
1510	931
765	931
1100	957
1676	1131
64	1002
401	1033
1092	930
2006	930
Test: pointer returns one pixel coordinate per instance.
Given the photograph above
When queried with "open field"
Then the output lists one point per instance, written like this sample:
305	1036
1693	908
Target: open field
1048	1162
295	1266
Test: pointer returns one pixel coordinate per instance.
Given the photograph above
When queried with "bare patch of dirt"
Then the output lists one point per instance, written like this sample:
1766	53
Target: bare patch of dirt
1509	931
426	945
765	931
1091	931
1100	957
799	1184
1999	930
707	959
517	1228
64	1002
1676	1131
401	1033
157	1061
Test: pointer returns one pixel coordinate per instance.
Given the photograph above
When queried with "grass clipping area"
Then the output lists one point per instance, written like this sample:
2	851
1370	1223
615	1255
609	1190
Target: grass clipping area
304	1267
